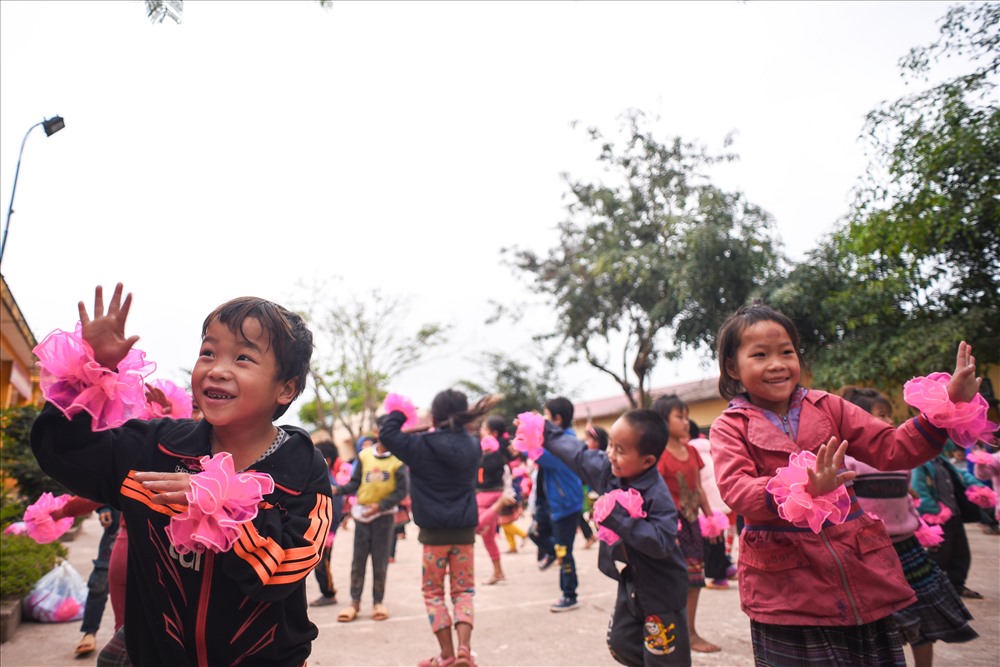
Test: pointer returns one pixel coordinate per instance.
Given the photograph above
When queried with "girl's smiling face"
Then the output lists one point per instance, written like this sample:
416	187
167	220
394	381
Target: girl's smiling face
767	365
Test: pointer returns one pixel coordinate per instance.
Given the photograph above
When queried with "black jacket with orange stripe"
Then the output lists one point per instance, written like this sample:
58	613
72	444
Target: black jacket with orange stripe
243	607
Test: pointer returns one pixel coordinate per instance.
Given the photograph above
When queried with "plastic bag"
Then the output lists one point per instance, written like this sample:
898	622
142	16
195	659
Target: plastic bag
57	597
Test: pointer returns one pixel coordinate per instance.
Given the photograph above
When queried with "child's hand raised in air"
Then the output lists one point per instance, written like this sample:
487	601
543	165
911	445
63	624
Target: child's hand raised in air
829	460
170	487
964	384
105	333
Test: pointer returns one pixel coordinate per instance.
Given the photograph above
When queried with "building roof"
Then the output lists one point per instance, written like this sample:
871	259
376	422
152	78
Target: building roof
689	392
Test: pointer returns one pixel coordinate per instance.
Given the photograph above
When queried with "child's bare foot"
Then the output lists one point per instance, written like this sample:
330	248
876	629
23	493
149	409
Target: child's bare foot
703	646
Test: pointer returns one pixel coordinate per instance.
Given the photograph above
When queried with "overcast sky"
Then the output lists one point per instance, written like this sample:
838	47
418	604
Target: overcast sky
261	145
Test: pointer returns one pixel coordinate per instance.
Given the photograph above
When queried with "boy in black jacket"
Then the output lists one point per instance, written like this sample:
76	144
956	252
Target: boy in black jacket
649	623
245	605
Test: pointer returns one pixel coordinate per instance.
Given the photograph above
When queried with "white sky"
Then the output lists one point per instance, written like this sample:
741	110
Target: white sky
399	145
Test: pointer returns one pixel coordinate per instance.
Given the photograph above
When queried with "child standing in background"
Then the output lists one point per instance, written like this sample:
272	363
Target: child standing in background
493	472
324	575
818	577
217	597
444	464
680	467
938	614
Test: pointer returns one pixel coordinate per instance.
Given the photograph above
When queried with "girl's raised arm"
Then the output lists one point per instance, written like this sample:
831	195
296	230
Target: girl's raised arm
964	384
105	333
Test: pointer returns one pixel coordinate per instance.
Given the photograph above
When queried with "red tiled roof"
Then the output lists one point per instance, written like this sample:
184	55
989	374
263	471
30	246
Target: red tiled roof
690	392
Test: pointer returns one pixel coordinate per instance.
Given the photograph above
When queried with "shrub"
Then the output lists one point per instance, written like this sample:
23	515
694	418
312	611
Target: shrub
24	563
17	460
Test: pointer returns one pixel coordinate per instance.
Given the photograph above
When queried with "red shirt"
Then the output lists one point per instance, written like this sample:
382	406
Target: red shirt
682	480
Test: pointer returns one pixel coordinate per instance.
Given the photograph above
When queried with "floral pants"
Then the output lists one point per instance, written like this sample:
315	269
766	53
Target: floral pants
455	560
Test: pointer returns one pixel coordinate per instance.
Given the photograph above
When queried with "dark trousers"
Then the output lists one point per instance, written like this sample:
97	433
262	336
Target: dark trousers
585	528
953	555
563	533
716	560
541	531
371	540
324	575
97	583
643	639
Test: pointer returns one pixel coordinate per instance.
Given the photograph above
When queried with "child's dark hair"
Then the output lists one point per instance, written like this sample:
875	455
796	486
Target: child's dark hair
288	336
652	429
562	408
498	426
600	436
450	409
693	429
328	450
731	334
865	398
664	405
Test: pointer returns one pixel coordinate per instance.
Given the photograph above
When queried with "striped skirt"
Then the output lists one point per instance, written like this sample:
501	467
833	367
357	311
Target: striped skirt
876	644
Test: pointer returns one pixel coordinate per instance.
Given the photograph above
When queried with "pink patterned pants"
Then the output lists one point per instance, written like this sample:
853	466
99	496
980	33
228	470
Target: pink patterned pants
455	560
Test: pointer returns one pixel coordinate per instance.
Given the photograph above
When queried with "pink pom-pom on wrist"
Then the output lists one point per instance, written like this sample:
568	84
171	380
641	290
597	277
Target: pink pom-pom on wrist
343	475
529	435
38	521
713	526
982	496
980	457
929	536
74	382
798	506
395	402
966	423
940	518
181	405
219	500
630	500
489	444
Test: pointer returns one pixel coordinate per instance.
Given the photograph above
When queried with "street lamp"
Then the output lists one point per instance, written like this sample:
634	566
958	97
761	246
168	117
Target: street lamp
51	126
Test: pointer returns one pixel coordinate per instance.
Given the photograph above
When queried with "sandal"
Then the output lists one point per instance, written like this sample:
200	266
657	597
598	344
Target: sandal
464	657
379	612
437	661
87	645
970	594
347	614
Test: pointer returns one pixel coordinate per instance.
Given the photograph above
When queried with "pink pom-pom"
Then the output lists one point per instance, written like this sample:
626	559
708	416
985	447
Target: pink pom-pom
980	457
529	435
67	610
981	495
181	405
630	500
929	536
940	518
517	470
713	526
489	444
16	528
796	505
219	500
525	486
343	475
966	423
74	382
40	525
395	402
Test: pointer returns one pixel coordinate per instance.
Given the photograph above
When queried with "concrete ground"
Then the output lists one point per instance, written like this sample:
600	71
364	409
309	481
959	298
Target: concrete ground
513	623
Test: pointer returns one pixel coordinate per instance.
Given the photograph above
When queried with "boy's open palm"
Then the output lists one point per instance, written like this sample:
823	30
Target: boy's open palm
964	384
105	333
826	476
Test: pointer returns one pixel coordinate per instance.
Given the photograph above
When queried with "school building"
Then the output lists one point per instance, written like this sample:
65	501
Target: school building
702	397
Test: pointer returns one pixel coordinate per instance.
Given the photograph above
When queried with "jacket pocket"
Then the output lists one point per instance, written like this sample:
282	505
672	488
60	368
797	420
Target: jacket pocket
773	558
872	538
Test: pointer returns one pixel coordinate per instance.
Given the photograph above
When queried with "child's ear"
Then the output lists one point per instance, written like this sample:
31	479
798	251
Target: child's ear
731	370
288	391
648	461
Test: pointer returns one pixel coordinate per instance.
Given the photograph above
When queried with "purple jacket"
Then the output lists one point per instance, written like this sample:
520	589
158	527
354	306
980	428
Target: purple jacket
847	574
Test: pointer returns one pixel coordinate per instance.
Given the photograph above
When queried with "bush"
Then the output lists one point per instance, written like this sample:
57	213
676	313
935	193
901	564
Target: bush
17	460
24	563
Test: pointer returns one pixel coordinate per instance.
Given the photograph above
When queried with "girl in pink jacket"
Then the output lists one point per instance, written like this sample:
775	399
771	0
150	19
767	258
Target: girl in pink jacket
819	578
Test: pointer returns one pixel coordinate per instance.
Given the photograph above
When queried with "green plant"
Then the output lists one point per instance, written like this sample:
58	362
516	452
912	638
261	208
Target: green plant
24	562
17	462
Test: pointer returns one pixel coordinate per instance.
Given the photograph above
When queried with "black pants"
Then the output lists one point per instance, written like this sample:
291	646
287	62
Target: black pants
716	560
953	555
324	575
371	539
641	638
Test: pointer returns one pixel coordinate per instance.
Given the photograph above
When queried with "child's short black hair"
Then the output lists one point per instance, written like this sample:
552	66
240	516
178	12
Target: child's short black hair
450	408
600	436
731	335
693	429
287	332
653	432
328	450
664	405
561	407
865	398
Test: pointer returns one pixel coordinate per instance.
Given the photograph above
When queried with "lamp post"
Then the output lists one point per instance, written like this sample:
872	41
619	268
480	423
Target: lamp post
51	126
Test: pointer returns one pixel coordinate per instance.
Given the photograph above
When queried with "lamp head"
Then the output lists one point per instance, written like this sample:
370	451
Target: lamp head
53	125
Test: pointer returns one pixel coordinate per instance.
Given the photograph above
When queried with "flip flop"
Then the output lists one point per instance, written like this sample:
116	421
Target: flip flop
347	614
87	645
379	612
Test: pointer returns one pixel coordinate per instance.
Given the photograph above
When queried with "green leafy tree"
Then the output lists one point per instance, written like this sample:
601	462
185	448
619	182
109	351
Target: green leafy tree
360	349
17	462
522	388
651	259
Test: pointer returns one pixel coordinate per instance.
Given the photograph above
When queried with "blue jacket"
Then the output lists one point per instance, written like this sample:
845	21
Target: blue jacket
443	465
563	488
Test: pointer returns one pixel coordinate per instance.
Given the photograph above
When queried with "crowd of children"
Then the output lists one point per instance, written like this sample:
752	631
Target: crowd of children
229	515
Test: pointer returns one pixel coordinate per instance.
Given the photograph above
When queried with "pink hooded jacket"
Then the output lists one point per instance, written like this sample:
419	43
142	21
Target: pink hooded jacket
847	574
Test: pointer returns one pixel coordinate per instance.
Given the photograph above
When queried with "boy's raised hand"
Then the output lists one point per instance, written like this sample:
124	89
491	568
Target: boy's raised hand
105	333
964	384
827	476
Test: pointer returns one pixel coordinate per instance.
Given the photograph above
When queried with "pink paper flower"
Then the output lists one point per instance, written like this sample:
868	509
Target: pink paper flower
982	496
489	444
219	500
38	521
181	405
929	536
940	518
396	402
74	382
966	423
630	500
980	457
713	526
530	431
796	505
